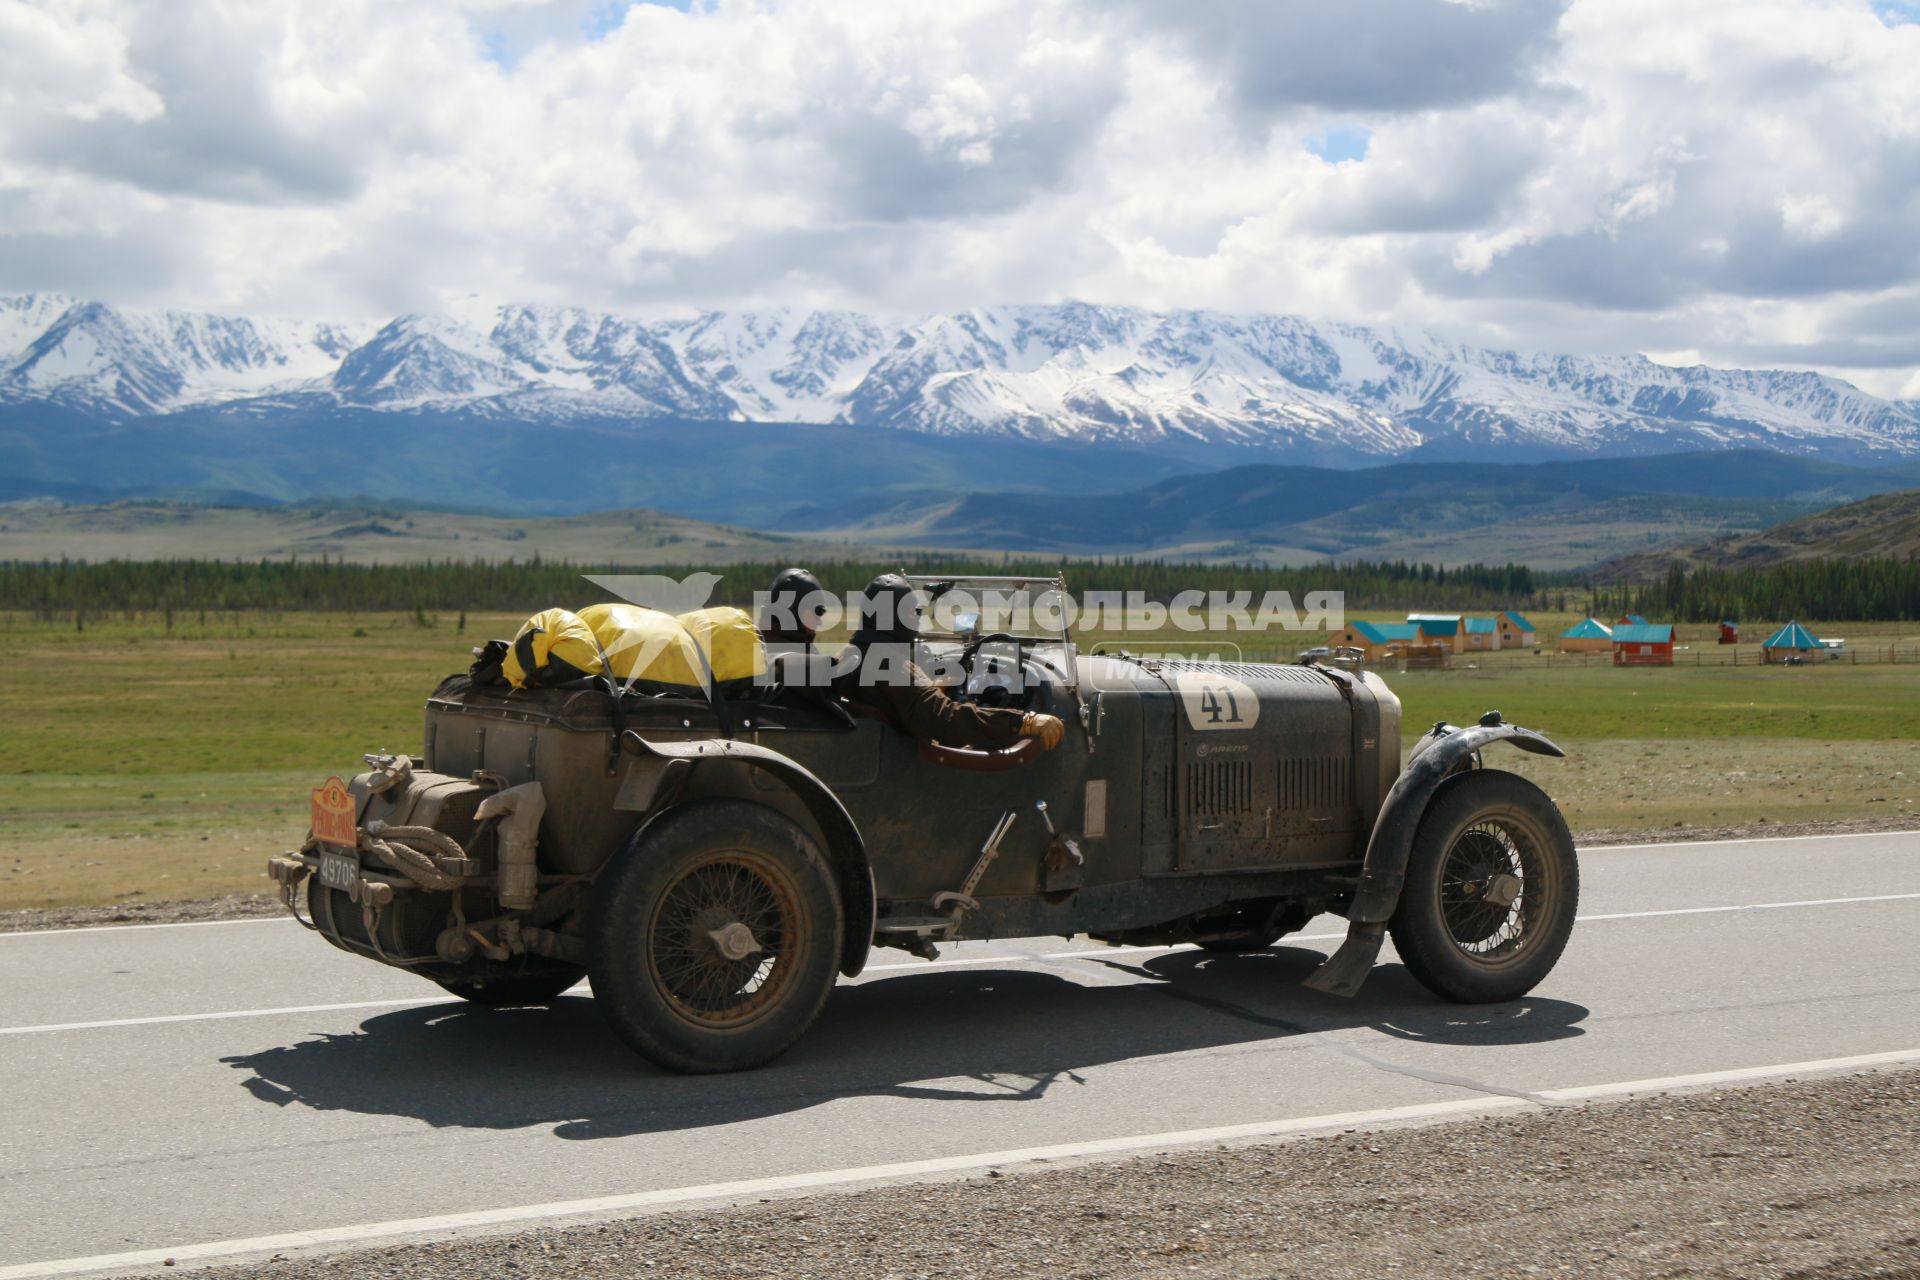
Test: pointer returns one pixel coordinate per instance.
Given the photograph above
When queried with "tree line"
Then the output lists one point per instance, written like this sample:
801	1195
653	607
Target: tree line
1870	589
68	588
1877	590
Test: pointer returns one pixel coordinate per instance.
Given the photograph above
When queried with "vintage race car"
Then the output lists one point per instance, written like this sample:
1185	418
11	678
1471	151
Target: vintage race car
714	862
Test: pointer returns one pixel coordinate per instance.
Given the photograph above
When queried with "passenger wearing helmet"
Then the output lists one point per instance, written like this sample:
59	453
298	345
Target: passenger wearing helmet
878	673
795	606
791	614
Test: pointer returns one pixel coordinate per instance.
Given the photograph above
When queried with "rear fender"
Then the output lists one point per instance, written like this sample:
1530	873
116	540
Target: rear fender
845	847
1442	751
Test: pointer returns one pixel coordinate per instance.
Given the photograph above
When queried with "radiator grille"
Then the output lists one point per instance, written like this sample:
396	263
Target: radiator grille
1220	786
1316	783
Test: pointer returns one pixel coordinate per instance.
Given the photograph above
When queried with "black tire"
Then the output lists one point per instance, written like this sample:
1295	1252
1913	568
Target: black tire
1291	920
1487	830
660	975
508	990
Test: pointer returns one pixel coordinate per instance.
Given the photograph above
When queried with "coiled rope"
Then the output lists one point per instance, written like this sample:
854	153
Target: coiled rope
411	850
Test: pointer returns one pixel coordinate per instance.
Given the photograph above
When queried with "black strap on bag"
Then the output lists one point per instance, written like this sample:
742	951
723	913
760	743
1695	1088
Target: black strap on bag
487	669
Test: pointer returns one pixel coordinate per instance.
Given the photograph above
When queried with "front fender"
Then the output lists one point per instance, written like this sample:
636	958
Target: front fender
1441	751
845	846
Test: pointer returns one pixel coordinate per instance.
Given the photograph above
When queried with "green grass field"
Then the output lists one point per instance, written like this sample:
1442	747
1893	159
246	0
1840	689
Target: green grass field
138	763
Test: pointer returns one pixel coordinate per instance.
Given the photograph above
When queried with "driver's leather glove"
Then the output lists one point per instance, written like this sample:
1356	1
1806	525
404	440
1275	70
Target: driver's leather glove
1048	729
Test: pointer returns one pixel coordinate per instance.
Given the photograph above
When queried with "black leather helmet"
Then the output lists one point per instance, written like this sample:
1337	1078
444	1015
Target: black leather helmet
782	618
890	611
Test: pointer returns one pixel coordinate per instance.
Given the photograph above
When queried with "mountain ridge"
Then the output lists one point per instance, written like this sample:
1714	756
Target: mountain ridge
1073	373
1560	515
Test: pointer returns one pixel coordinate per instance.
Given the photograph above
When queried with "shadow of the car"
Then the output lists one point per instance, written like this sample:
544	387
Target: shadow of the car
975	1034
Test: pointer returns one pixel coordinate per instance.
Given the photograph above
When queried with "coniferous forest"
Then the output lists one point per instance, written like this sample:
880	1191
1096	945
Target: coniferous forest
1870	589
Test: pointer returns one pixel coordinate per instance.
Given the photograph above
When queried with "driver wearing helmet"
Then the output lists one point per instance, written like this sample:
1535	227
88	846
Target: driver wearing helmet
879	675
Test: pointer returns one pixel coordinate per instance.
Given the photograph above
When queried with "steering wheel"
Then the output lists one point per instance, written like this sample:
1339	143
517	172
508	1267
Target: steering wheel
972	647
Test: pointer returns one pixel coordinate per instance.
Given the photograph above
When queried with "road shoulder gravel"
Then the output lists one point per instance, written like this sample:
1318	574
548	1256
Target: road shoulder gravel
1817	1178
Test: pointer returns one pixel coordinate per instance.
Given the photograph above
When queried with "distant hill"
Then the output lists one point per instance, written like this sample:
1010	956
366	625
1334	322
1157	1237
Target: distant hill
746	473
1886	525
1555	515
1550	515
362	533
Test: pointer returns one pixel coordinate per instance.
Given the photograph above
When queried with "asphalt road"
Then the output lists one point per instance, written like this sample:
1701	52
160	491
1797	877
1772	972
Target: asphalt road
169	1086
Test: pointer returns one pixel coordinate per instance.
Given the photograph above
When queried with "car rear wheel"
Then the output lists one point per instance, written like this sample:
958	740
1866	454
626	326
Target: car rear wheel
714	938
1491	891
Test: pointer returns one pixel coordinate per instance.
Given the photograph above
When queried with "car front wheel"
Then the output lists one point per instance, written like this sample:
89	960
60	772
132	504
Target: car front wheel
1491	891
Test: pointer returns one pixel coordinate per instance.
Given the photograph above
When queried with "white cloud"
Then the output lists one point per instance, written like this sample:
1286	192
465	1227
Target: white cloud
1737	178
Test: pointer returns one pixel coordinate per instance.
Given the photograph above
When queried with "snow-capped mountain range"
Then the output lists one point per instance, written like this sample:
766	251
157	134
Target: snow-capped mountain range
1071	372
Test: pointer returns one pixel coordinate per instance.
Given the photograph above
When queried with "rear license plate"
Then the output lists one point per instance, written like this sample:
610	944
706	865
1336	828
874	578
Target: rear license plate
338	871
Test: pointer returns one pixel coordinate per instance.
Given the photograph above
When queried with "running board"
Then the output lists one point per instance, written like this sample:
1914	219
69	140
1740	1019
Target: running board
921	926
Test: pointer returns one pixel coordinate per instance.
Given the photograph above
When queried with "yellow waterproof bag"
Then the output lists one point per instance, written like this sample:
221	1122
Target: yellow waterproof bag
647	647
552	647
731	642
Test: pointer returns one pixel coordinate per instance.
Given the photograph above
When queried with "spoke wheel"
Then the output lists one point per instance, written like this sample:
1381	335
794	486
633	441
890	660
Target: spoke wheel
714	937
1491	889
721	942
1483	889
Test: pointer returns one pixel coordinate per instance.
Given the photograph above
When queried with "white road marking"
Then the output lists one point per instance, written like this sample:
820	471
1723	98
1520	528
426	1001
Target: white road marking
85	930
912	1170
1751	906
894	968
1708	844
221	1016
81	930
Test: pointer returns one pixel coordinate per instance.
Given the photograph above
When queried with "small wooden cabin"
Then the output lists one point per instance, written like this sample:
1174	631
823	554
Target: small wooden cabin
1439	628
1644	644
1589	635
1516	632
1379	641
1792	640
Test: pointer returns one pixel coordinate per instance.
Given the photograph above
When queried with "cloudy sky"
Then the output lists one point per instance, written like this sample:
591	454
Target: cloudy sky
1734	181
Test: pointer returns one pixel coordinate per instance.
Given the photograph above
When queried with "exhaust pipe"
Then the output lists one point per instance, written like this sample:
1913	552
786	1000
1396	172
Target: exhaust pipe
516	879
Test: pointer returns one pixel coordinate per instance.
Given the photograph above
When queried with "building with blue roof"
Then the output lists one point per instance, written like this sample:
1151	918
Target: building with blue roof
1589	635
1377	639
1791	641
1643	644
1438	628
1515	631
